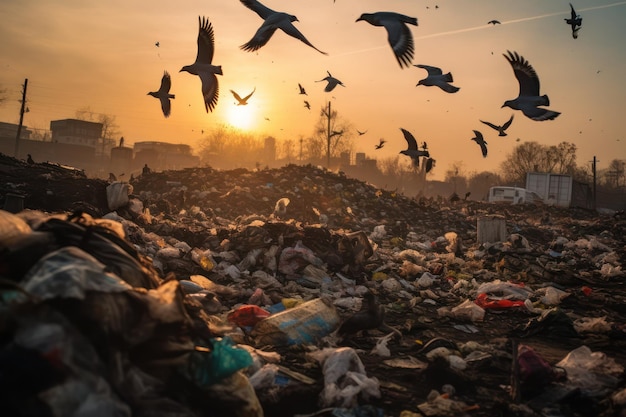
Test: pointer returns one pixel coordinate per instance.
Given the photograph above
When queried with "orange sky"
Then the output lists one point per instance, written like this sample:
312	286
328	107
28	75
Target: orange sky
103	55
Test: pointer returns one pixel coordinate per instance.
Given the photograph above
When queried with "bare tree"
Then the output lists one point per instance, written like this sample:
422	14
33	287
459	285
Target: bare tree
480	183
331	135
227	148
110	129
287	150
615	175
535	157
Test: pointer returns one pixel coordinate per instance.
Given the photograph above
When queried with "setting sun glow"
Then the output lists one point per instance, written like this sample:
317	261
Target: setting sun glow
241	117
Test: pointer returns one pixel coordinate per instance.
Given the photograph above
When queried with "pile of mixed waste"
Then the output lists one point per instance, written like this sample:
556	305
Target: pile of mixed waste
299	291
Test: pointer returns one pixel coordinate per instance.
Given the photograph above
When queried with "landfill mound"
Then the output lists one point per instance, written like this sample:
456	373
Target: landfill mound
299	291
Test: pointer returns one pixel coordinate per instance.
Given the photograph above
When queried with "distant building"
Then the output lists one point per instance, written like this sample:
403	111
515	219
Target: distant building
9	130
163	156
76	132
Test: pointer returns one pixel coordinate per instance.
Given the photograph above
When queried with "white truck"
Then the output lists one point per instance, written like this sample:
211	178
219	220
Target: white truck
512	195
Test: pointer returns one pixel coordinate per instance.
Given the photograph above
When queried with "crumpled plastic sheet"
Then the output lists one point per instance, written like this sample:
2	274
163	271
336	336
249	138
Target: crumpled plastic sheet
345	378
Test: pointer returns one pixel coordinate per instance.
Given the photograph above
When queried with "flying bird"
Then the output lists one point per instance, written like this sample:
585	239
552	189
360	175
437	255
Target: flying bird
398	33
528	99
478	138
163	94
573	21
493	22
501	129
381	143
157	44
242	101
203	66
412	151
361	133
302	90
307	105
272	20
436	77
332	82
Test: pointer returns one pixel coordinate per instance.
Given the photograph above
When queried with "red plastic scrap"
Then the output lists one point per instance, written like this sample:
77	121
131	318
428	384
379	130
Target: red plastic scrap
247	315
483	301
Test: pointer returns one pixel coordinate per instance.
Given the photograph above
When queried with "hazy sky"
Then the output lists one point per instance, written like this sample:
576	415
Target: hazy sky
79	53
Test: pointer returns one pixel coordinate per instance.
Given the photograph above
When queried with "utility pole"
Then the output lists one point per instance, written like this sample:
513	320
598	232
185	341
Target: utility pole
328	138
593	171
19	127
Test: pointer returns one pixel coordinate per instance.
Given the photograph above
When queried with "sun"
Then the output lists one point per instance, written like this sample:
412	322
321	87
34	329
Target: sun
241	117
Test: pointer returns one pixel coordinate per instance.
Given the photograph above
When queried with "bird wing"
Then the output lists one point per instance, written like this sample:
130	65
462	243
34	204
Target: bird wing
166	83
508	123
431	70
302	90
260	38
237	96
286	26
491	125
166	106
410	139
210	90
401	40
263	11
539	114
249	95
206	42
332	83
525	74
448	88
573	12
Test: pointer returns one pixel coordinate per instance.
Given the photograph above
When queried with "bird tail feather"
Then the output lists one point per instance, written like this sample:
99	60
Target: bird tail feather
448	77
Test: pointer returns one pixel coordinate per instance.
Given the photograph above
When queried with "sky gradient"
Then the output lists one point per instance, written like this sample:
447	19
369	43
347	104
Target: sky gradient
102	55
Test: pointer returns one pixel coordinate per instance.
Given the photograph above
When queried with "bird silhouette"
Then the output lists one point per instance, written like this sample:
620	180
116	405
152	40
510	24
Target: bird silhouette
574	21
302	90
501	129
361	133
157	44
398	33
478	138
370	316
493	22
528	99
203	66
272	20
332	82
29	159
437	78
336	133
242	101
381	143
412	151
164	96
307	105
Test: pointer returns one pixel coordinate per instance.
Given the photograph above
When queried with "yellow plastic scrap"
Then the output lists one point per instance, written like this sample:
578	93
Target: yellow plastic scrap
291	302
379	276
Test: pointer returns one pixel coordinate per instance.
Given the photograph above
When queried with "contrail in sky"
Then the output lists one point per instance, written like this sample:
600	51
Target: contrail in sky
483	27
523	19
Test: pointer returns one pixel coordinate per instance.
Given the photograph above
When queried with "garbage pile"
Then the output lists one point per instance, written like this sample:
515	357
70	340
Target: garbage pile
299	291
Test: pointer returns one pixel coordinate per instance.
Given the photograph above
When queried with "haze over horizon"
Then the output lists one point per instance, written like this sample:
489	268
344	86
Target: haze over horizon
103	56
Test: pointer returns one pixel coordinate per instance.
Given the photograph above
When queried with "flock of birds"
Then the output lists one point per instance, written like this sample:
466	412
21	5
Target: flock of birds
529	101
